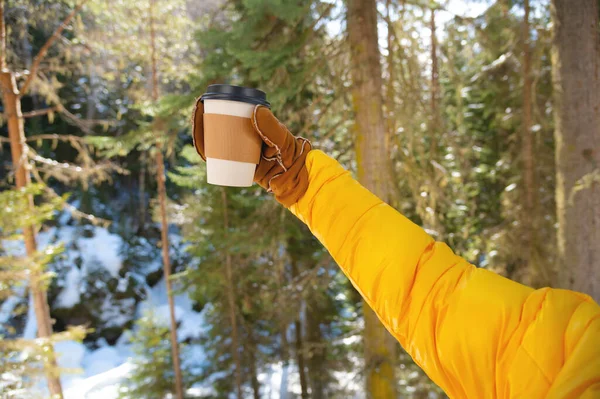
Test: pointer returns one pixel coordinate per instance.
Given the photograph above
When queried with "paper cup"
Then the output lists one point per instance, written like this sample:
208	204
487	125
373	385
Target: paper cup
231	145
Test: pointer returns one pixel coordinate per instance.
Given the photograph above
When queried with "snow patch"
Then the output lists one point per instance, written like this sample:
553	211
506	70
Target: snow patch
100	386
192	324
30	331
117	316
104	248
278	380
7	308
69	355
69	296
101	360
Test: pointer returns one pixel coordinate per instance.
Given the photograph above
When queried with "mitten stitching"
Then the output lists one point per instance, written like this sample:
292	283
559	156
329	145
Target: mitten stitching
268	141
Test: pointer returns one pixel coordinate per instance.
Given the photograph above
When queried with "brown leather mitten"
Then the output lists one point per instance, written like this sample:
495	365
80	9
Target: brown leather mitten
198	128
282	168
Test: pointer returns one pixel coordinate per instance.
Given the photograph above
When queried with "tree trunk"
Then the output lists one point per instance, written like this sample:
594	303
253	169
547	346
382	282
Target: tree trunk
431	216
576	77
11	100
299	344
505	5
300	359
528	217
92	97
142	193
16	133
435	85
390	90
164	231
283	312
251	349
316	354
255	383
373	172
235	346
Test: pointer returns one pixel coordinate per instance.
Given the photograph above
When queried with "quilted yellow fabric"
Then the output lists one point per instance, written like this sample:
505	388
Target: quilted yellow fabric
475	333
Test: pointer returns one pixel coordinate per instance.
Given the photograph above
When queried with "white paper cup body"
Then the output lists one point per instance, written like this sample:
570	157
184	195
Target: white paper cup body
222	172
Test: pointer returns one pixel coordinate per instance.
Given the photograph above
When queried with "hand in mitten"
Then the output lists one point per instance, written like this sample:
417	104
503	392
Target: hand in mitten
282	168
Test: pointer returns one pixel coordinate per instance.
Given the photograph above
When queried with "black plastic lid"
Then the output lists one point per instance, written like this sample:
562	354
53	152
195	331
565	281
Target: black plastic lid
235	93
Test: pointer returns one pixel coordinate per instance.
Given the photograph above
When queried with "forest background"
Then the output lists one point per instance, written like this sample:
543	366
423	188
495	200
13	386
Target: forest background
124	275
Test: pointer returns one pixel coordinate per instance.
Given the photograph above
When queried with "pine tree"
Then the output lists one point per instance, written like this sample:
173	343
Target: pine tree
485	189
291	86
228	268
162	199
153	373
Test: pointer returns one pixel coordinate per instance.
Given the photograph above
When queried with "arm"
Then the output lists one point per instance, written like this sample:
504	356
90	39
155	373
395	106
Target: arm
476	334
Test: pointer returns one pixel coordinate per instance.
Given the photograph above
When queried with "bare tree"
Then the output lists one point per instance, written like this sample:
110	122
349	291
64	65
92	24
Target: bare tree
235	342
162	199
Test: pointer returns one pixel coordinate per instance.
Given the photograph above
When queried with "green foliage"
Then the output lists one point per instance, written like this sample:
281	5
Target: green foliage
152	376
459	179
15	215
483	104
24	362
276	46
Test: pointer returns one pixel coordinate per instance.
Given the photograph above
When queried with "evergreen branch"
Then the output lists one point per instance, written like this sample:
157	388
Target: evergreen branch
42	53
57	137
2	38
585	182
325	13
332	130
217	11
56	164
6	275
84	124
75	333
39	112
76	213
99	170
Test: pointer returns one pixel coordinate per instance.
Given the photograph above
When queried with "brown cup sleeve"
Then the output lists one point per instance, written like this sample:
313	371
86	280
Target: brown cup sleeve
231	138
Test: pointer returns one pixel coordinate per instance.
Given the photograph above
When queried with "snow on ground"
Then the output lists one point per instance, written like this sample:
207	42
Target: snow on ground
100	249
105	368
102	360
192	324
97	374
100	386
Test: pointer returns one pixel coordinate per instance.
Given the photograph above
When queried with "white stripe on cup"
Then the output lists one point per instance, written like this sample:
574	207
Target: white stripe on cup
226	107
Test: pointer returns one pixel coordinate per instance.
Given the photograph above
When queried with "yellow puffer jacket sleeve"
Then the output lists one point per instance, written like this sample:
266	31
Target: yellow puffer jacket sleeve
475	333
